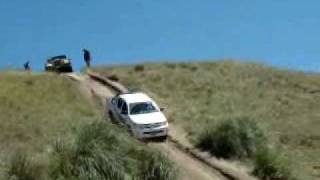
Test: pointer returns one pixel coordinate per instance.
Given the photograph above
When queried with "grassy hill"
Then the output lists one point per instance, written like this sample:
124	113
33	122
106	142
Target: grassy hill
50	131
199	95
35	109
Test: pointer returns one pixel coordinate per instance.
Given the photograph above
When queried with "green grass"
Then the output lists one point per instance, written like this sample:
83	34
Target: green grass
271	164
243	139
97	151
92	154
232	138
35	110
198	95
155	166
20	167
103	151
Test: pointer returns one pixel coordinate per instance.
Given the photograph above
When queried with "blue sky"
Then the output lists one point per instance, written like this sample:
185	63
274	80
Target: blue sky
284	33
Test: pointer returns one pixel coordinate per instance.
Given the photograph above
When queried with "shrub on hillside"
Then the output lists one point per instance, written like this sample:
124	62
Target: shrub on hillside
89	157
113	77
271	165
100	151
171	65
231	138
139	68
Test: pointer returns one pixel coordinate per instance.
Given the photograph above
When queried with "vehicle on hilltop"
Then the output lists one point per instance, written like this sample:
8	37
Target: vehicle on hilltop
59	64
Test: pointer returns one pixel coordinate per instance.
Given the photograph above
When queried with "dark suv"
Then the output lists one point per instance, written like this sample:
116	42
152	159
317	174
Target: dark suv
59	64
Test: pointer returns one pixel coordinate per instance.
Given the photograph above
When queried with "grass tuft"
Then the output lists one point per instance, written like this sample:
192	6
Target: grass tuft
155	166
139	68
101	151
20	168
237	138
270	164
113	77
89	156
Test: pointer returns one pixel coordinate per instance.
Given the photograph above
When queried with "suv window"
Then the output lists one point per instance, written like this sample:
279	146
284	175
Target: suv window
120	101
124	109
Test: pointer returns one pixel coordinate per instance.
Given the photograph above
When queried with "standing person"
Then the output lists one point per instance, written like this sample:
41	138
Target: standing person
87	57
27	66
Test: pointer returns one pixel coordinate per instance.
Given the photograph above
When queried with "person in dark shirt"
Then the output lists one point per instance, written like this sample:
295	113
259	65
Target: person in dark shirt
87	57
27	66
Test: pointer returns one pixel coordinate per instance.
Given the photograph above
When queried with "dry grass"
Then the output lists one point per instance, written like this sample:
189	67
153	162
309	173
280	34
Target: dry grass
200	94
35	110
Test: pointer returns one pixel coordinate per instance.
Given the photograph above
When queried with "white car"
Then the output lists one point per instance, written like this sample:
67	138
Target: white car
140	114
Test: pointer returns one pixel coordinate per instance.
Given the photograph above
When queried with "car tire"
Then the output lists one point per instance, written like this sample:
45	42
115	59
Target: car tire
163	138
70	69
130	131
112	119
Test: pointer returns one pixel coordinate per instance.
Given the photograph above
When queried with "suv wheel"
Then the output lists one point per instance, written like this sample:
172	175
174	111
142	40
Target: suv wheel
163	138
112	119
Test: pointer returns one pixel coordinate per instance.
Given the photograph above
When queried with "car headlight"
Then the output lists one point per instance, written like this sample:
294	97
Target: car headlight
66	61
164	123
138	126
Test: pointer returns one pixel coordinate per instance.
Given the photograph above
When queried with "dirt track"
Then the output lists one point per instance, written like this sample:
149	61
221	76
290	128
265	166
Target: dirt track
189	167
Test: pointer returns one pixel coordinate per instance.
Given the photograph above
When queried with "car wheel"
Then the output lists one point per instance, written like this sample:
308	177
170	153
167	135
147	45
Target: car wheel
70	69
163	138
112	119
130	131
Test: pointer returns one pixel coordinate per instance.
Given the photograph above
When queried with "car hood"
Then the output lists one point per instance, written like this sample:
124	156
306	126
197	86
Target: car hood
148	118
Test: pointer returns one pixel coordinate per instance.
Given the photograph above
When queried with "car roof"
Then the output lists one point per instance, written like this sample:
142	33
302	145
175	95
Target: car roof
57	58
135	97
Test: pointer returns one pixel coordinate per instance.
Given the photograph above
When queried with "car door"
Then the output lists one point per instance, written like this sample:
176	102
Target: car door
117	109
124	113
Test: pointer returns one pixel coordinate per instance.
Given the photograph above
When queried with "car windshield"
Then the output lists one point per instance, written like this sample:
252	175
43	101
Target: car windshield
142	108
57	58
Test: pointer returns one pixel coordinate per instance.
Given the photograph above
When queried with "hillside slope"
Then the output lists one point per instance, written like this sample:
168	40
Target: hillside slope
197	95
36	110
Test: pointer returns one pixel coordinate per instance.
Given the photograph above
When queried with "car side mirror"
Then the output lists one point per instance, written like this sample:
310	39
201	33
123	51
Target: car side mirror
113	100
162	109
